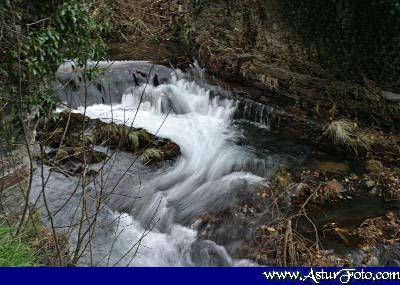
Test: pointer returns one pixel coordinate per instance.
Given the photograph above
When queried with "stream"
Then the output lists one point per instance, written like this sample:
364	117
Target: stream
150	218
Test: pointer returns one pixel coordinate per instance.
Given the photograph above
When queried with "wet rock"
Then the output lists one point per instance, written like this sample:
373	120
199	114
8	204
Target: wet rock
390	256
208	253
391	96
229	228
72	167
113	79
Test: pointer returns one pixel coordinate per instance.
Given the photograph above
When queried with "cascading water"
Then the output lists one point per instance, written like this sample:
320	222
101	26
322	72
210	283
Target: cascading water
154	230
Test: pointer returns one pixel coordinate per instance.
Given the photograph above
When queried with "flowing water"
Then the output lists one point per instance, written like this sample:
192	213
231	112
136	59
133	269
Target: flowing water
148	220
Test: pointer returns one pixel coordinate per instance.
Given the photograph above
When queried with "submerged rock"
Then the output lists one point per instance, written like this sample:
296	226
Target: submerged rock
208	253
390	256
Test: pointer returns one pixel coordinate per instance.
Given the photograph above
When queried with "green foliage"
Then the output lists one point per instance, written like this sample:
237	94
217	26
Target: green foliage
354	38
14	251
36	37
65	31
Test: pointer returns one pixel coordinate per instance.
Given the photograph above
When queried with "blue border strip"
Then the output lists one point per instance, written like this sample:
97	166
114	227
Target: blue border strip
186	276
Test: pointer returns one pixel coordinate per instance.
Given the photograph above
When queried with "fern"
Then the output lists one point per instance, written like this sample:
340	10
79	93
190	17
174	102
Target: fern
133	141
152	154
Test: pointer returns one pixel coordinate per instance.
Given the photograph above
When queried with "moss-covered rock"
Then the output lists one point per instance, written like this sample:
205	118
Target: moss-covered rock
74	137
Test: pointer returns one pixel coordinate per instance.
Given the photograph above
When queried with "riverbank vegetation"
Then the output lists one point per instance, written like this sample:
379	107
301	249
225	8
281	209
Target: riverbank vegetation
14	251
36	37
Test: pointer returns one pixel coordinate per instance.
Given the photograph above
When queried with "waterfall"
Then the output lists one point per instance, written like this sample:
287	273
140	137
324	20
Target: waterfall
255	112
206	177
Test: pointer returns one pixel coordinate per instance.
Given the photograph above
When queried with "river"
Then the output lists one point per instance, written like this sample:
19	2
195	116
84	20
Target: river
151	217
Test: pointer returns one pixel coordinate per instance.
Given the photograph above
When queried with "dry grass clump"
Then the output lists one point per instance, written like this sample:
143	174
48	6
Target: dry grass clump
346	133
340	131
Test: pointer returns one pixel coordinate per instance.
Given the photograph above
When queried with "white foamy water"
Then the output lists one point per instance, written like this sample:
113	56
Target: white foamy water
155	229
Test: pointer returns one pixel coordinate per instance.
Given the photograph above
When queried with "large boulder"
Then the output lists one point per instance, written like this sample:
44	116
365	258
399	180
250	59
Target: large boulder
109	82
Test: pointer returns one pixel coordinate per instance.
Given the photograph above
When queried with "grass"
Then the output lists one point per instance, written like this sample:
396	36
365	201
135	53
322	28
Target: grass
341	131
14	251
344	132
